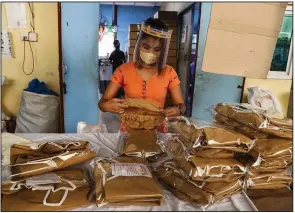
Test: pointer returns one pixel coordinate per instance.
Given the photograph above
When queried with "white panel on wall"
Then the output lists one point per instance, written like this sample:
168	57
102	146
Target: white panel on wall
6	49
16	15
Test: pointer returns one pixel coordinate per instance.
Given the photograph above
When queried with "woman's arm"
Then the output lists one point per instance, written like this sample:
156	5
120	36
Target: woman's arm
177	100
108	102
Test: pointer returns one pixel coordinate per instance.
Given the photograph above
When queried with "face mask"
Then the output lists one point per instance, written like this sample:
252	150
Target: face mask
148	58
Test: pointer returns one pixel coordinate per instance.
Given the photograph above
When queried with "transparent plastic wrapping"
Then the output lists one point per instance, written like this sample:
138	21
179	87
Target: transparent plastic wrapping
47	192
255	118
272	152
209	136
272	180
202	169
141	114
125	181
32	159
199	193
139	143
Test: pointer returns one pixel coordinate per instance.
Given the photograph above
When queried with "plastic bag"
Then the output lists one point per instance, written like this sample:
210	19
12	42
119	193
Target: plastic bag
141	114
57	191
265	99
273	180
84	127
38	114
139	143
202	169
29	159
255	118
209	136
125	181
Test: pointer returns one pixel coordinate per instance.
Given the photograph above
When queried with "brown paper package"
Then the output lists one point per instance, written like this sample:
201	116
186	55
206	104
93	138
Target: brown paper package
28	200
140	143
26	161
125	190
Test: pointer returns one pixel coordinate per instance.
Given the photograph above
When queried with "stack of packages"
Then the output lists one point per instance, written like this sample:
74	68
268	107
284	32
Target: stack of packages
170	19
132	39
271	155
37	177
127	180
202	167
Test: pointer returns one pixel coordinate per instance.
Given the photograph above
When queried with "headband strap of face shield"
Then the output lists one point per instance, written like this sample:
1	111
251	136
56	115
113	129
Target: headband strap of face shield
155	32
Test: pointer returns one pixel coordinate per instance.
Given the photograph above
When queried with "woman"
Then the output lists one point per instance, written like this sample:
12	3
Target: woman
147	77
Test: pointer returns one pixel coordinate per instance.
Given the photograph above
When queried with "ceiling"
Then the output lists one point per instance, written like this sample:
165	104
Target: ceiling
142	4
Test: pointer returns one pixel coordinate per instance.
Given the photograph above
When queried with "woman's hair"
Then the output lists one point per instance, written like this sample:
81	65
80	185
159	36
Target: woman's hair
159	25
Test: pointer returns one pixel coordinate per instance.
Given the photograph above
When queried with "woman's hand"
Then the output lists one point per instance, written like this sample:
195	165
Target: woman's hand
115	105
171	111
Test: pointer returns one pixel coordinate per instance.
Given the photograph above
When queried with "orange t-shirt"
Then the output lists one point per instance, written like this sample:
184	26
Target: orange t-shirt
154	89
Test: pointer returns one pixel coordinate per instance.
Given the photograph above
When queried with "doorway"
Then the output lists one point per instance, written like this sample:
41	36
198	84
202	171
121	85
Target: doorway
187	55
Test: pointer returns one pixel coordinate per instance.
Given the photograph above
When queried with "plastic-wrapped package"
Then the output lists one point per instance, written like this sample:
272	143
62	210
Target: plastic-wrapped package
255	118
139	143
213	153
210	136
32	159
272	165
200	193
271	148
273	180
125	181
141	114
202	169
54	191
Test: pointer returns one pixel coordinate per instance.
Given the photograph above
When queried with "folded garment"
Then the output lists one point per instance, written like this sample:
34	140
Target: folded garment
33	159
273	180
213	153
271	148
141	114
238	127
255	118
125	181
139	143
203	169
57	191
201	193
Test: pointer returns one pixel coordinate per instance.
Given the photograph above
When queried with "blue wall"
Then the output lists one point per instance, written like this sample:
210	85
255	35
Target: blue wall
211	88
127	15
79	45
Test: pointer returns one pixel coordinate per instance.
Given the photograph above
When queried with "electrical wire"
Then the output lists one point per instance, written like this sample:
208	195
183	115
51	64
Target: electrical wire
32	15
25	58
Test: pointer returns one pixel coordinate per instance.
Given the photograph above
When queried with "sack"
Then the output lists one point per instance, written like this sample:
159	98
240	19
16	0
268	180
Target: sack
55	192
38	114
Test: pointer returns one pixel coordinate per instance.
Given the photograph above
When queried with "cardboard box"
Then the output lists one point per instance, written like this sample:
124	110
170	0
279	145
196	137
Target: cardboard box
172	53
166	15
170	23
173	45
174	32
132	43
173	65
174	38
242	37
133	35
134	27
130	57
171	60
131	50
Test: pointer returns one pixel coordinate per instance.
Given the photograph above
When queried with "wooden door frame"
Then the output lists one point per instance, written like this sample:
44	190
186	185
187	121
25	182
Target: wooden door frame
60	69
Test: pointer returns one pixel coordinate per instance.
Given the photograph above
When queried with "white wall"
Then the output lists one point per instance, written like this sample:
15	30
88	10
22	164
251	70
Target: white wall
175	6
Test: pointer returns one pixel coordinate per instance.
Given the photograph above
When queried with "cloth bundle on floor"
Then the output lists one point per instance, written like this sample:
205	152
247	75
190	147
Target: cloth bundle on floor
139	143
125	181
254	119
56	191
141	114
33	159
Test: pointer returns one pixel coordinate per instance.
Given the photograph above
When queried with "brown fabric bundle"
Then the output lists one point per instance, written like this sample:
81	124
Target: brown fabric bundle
238	127
33	159
268	180
248	116
202	169
18	196
141	114
181	187
125	181
140	143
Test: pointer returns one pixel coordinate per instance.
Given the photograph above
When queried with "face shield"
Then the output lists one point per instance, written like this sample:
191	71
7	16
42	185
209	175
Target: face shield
152	46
